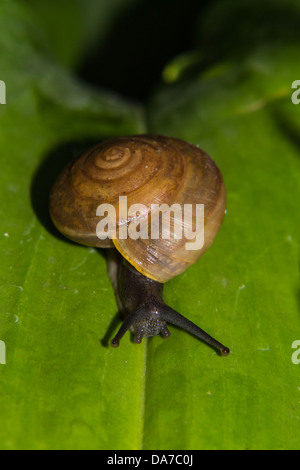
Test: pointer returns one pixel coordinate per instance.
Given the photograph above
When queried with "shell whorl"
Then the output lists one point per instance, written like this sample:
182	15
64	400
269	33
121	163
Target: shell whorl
148	169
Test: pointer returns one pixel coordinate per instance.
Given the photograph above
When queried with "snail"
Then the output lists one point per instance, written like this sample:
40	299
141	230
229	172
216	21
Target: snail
155	177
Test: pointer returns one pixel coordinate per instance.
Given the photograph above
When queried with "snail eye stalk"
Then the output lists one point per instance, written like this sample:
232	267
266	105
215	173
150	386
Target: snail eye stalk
175	318
136	316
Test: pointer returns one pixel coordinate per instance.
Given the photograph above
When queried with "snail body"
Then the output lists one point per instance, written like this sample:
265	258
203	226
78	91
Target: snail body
157	176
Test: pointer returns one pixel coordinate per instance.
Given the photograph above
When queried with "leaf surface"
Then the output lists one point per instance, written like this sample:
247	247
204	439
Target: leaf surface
62	387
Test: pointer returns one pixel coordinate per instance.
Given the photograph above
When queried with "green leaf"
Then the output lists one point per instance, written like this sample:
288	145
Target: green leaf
52	313
62	387
247	285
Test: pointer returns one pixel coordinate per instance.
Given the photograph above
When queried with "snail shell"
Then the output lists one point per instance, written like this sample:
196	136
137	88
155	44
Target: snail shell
148	169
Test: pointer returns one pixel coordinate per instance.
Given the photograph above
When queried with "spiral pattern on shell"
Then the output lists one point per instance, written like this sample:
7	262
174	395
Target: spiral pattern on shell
148	169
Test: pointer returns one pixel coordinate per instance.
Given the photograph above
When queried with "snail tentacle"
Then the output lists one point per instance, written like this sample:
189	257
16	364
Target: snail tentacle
133	318
175	318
